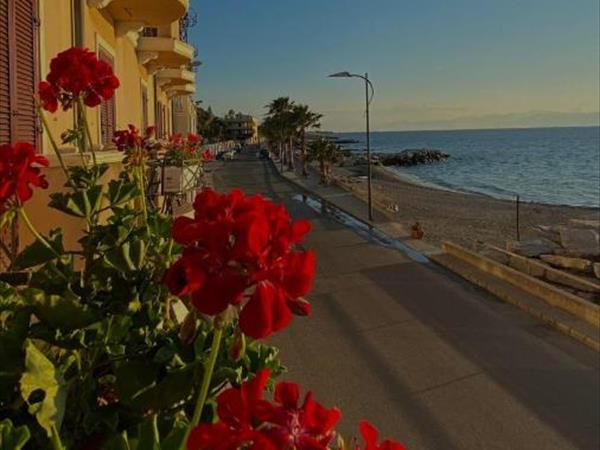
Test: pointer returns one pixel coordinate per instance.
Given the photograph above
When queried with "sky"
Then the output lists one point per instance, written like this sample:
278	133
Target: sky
435	64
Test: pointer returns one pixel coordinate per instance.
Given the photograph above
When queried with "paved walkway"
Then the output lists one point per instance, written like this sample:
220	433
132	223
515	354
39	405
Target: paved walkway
433	361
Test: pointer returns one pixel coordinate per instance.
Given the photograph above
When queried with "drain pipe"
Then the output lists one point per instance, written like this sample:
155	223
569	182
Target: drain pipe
79	7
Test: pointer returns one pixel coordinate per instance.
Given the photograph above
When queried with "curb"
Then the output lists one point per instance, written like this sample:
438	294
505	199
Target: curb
561	327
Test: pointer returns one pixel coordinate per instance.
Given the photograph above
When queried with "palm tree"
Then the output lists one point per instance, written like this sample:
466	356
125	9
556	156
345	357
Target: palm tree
326	153
280	112
304	119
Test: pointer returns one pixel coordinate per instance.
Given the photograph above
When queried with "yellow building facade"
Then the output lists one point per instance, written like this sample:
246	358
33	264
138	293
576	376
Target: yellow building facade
144	42
141	40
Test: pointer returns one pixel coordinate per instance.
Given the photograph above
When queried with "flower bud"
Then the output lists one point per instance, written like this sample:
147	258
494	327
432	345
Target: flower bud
237	350
187	332
300	306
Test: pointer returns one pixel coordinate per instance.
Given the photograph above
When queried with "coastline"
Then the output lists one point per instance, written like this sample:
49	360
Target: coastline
467	218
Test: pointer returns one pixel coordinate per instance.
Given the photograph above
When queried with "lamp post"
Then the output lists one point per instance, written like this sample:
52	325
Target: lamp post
368	100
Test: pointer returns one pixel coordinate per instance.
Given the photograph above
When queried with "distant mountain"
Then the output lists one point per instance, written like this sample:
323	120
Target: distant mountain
532	119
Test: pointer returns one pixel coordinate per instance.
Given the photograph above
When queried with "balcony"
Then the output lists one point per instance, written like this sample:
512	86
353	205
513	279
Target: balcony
175	77
164	52
183	89
148	12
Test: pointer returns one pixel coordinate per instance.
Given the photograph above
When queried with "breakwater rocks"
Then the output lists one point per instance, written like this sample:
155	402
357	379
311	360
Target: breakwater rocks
405	157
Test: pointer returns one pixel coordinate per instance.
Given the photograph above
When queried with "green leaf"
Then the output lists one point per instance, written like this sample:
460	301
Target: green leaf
128	257
121	191
148	435
79	203
41	377
12	438
119	442
133	378
37	253
139	387
64	312
176	438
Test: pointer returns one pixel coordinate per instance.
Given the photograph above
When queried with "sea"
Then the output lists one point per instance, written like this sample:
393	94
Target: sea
558	166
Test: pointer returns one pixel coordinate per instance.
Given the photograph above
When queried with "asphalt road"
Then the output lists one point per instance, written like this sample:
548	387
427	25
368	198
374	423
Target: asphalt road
433	361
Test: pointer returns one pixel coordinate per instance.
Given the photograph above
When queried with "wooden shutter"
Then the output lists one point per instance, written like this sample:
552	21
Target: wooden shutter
108	119
18	70
4	74
25	71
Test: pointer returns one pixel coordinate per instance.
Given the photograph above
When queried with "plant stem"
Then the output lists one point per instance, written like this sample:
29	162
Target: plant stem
139	176
209	368
35	232
55	439
86	127
53	142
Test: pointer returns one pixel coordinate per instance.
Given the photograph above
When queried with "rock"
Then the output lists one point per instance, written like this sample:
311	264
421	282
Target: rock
411	157
597	270
550	232
566	262
531	248
580	242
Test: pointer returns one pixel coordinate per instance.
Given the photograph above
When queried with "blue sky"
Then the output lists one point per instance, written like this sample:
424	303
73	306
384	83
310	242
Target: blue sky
435	63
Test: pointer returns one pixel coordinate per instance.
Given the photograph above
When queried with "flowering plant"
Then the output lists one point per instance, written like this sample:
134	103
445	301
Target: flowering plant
150	329
186	149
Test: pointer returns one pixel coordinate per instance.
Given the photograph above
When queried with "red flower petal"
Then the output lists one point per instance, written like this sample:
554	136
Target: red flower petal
218	292
287	394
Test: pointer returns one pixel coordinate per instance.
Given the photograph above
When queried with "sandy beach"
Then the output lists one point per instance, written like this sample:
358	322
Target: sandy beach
460	217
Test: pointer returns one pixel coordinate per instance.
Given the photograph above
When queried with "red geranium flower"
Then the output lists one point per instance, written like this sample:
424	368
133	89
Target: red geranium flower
237	410
291	427
239	247
207	155
127	139
371	435
246	420
75	73
177	142
194	139
18	173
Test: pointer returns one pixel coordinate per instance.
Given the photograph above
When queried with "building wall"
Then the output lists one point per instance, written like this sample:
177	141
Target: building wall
57	33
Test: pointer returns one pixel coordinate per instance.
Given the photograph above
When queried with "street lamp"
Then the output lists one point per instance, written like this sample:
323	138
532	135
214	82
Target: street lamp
369	99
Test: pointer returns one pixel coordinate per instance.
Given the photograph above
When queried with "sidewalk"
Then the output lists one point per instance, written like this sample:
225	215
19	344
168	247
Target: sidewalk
435	362
356	207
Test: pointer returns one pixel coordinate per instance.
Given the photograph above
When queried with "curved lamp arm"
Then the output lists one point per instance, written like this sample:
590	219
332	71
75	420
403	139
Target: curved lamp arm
362	77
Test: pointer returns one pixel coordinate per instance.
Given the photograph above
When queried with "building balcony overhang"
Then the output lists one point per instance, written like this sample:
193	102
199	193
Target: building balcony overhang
183	89
164	53
148	12
167	78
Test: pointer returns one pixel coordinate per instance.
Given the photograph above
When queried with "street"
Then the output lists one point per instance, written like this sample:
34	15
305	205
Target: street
433	361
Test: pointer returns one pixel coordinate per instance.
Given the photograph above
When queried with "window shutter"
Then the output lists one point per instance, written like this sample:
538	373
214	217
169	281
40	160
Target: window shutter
18	70
25	123
4	74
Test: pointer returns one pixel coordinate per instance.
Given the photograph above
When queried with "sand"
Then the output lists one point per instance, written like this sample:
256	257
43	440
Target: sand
460	217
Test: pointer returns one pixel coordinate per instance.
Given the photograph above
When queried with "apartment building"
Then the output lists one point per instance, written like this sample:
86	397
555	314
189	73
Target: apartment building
144	41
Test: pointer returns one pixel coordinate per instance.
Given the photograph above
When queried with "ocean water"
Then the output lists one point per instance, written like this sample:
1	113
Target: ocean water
545	165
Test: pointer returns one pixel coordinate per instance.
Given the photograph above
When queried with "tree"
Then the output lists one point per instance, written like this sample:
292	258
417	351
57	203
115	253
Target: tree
304	119
326	153
280	117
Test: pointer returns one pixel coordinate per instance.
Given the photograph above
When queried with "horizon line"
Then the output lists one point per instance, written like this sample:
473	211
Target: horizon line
464	129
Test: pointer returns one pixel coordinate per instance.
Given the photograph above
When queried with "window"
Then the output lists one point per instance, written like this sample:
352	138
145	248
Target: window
150	32
178	104
108	111
18	70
